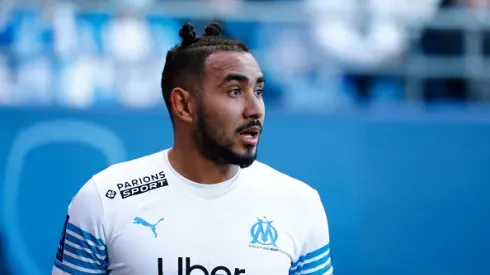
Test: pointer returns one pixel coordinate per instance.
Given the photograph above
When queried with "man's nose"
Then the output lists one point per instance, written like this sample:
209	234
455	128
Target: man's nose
254	107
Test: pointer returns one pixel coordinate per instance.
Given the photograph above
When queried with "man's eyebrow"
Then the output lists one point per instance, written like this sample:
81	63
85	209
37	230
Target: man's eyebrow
234	77
261	79
240	78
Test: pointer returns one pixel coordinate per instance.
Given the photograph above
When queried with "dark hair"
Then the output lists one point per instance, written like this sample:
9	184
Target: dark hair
184	65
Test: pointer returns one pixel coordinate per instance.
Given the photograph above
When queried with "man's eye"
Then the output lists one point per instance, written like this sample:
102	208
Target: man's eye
235	91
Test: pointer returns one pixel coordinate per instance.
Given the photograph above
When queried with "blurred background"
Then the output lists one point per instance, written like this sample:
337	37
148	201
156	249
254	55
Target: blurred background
381	105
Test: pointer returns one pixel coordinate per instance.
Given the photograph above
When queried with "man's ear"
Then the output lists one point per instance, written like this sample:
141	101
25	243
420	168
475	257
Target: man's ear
182	104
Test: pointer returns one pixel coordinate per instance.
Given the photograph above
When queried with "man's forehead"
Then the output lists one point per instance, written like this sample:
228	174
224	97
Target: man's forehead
222	63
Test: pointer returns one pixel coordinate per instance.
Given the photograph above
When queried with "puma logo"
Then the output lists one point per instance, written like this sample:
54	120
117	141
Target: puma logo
144	223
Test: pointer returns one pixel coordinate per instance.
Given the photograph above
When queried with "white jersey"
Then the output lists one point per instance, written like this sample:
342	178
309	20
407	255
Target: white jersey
142	217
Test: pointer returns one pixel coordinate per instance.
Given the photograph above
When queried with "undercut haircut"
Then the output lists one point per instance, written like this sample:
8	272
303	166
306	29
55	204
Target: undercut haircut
185	63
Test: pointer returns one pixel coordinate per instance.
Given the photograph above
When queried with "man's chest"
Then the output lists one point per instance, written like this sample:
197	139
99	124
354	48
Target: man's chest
193	241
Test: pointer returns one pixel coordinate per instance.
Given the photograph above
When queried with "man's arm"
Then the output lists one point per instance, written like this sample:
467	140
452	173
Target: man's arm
82	248
315	253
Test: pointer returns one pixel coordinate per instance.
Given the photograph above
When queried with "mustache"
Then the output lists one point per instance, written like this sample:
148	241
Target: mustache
251	124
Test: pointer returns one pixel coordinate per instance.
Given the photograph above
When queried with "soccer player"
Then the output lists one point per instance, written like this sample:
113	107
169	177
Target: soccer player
204	206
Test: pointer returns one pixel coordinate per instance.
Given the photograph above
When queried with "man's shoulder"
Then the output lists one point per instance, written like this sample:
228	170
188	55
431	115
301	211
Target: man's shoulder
141	167
113	180
270	177
110	192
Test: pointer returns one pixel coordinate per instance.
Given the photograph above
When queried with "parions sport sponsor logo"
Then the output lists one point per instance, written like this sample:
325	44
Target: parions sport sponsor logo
142	185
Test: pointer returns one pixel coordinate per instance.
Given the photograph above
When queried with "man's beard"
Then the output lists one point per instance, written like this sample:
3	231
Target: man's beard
212	144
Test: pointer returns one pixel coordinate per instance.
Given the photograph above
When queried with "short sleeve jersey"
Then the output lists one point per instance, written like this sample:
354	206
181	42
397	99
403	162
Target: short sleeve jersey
142	217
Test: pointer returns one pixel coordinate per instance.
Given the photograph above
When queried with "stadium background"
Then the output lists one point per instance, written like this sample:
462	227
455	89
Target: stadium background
381	105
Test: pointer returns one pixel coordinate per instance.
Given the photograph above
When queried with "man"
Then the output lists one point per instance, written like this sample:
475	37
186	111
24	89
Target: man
203	206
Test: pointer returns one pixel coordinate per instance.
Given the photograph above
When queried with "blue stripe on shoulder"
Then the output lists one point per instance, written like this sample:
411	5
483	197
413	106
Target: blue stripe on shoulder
81	263
83	253
315	264
86	245
321	271
317	252
310	255
294	266
85	234
72	271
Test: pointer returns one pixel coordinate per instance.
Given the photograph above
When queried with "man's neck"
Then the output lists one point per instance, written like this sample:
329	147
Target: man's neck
192	165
